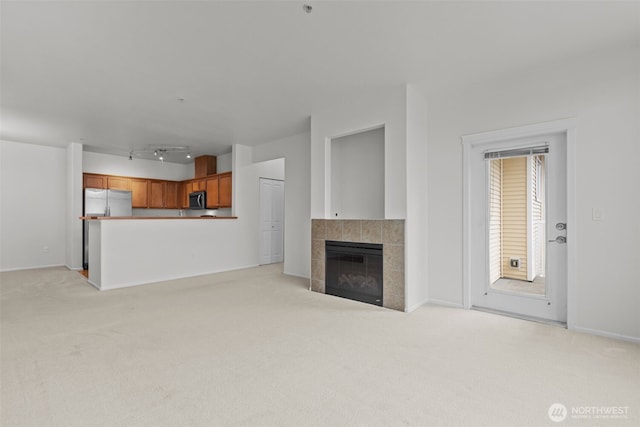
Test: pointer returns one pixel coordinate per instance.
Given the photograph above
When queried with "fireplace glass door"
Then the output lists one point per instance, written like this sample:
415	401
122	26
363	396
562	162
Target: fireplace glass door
354	271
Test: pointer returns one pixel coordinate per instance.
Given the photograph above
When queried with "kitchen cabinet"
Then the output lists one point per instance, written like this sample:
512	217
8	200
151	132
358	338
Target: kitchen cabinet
218	189
118	183
188	188
156	193
171	200
205	166
139	193
161	194
91	180
185	189
213	199
200	185
224	190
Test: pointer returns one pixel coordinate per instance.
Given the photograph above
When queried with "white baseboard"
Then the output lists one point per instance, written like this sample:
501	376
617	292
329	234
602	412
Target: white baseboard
302	276
74	268
605	334
520	316
416	306
444	303
169	278
36	267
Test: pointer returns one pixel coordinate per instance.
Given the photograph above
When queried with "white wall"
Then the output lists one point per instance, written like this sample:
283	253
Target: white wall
297	215
416	236
118	165
33	188
368	111
357	175
173	248
223	163
602	91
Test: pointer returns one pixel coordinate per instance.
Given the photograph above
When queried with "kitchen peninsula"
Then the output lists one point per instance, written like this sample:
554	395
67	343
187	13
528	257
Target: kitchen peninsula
130	251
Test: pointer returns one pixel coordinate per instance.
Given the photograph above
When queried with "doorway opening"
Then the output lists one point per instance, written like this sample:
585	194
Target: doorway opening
547	151
516	224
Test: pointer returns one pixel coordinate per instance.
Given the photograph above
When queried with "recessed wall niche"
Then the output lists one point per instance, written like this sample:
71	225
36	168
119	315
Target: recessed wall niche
357	175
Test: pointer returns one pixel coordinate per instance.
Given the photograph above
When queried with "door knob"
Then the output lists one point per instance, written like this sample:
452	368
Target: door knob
559	239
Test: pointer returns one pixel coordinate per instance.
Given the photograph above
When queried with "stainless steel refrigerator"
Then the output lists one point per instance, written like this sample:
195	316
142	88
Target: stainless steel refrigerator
99	202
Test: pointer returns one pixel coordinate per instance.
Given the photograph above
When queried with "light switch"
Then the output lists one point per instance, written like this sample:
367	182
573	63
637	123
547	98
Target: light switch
596	214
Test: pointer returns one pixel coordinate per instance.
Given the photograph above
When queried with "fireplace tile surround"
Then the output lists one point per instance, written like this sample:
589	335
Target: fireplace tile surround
389	232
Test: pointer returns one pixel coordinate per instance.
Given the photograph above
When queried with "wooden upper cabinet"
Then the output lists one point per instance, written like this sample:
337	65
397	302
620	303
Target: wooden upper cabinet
156	193
199	185
139	193
219	191
118	183
224	189
171	200
213	200
205	166
183	198
91	180
188	188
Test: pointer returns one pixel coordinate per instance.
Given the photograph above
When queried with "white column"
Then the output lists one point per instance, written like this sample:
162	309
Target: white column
74	206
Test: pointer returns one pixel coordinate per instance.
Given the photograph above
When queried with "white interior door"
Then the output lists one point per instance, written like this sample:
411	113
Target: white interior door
271	221
550	302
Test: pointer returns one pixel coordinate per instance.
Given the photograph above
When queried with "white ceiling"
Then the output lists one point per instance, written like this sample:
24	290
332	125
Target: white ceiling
109	74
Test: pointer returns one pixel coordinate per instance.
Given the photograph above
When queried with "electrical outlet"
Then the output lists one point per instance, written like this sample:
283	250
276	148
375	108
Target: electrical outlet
45	249
596	214
514	262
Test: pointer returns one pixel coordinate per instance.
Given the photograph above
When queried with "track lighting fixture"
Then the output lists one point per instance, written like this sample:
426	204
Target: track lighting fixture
162	153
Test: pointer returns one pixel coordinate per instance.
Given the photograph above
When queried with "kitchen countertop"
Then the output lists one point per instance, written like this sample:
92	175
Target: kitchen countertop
104	218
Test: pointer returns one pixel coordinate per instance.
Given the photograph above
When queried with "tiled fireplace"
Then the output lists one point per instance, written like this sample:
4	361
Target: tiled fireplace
389	233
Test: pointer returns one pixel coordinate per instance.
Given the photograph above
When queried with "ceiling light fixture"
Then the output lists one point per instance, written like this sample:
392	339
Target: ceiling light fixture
307	8
162	153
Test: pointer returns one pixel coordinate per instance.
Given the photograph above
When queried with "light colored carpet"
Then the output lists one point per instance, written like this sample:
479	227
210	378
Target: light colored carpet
254	347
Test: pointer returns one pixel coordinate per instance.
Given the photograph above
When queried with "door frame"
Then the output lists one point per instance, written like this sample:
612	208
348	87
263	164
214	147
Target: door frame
469	142
261	238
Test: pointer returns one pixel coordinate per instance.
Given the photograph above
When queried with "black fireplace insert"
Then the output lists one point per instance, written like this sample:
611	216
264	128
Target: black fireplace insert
354	271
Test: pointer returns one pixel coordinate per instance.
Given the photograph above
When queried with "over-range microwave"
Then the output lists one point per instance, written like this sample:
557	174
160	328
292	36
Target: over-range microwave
198	200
